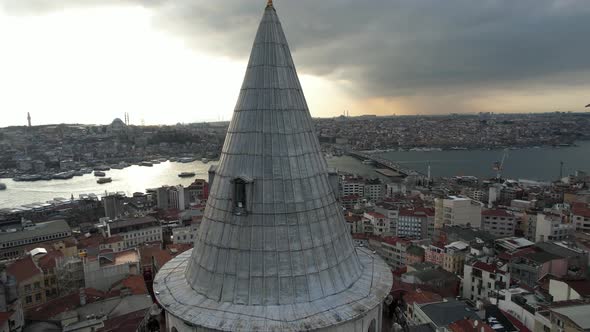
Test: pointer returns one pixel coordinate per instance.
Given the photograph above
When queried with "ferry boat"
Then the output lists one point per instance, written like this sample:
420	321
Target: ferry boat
146	164
104	180
99	173
2	186
368	162
187	174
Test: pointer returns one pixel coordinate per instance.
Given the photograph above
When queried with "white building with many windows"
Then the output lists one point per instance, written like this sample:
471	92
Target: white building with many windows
134	231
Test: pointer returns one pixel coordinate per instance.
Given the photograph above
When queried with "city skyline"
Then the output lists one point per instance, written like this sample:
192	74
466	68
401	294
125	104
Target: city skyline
166	64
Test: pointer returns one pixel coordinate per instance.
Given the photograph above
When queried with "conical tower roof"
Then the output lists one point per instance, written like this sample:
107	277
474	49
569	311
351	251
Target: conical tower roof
273	248
288	243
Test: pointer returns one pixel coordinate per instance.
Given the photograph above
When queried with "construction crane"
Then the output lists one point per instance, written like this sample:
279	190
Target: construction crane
499	166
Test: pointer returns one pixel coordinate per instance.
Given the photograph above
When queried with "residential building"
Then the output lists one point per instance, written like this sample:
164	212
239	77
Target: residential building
379	223
551	227
352	186
414	254
454	257
571	318
393	250
374	190
457	211
522	304
109	267
442	314
436	280
178	198
415	223
198	191
70	275
134	231
569	290
391	212
482	280
500	223
187	233
15	240
30	281
114	205
580	216
11	310
531	264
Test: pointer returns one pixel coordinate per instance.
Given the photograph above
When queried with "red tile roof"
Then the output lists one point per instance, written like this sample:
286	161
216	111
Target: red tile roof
5	316
113	239
124	323
23	269
581	209
135	284
62	304
487	267
418	212
497	213
47	262
394	240
160	256
375	214
470	325
421	297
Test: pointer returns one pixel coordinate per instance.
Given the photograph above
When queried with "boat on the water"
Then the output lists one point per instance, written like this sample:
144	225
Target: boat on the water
28	177
146	164
104	180
2	186
64	175
99	173
102	168
204	160
187	174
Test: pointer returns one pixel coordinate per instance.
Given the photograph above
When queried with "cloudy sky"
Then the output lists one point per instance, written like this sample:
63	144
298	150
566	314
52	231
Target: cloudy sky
170	61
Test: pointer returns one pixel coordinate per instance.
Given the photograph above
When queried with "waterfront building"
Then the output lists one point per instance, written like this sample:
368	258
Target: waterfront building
273	252
352	186
15	240
114	205
178	197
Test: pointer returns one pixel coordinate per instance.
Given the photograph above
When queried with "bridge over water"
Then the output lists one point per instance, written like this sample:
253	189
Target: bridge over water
384	163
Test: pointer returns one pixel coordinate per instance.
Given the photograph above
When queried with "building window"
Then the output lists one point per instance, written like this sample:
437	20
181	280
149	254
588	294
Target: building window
37	297
240	193
27	288
29	299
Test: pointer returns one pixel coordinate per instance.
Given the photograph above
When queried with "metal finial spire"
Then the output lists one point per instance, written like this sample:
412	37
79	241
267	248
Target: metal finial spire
269	3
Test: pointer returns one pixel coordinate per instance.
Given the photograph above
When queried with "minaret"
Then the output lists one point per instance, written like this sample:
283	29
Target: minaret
273	251
29	118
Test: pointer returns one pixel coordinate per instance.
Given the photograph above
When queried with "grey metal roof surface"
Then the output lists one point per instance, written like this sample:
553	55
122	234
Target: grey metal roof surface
445	313
292	246
578	314
40	229
288	263
177	297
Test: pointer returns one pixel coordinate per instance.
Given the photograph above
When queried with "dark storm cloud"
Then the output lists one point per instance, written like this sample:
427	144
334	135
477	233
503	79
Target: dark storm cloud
394	48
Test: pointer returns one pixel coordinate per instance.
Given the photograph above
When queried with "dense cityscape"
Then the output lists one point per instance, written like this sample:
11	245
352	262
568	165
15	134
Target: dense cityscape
272	239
